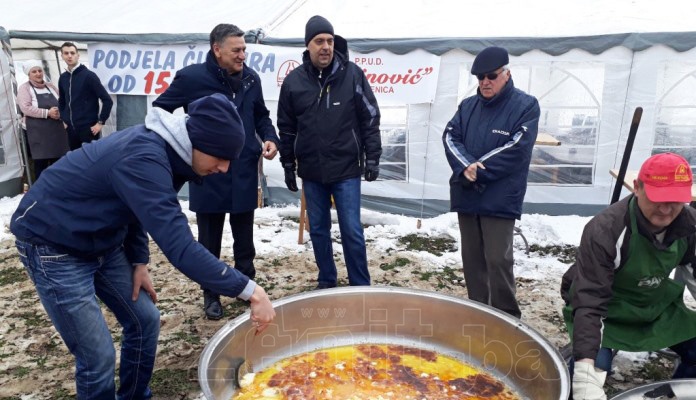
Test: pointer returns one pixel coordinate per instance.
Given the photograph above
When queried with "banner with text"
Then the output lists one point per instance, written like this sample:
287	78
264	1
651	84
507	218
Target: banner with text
148	70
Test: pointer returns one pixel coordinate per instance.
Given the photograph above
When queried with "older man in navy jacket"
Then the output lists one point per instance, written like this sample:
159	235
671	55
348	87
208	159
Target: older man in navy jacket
234	192
489	144
82	231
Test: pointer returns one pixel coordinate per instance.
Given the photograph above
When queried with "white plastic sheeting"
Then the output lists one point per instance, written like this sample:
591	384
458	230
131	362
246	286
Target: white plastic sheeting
587	98
137	16
10	131
491	19
356	18
587	102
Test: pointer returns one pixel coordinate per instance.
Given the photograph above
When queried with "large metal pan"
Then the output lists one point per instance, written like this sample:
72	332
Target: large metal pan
470	331
683	389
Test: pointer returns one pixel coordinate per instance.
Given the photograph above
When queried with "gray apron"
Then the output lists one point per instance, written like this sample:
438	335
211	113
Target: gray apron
47	138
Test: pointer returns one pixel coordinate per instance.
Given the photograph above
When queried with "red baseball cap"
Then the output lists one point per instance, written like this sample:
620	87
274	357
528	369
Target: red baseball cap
666	177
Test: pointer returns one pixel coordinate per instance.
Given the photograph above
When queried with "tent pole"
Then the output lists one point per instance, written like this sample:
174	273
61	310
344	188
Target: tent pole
55	51
425	166
25	156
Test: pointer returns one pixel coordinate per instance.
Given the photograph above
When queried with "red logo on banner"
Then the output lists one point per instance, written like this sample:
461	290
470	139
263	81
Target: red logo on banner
285	69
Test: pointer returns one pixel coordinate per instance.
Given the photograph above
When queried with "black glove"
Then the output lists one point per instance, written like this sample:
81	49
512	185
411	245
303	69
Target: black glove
371	170
467	185
290	178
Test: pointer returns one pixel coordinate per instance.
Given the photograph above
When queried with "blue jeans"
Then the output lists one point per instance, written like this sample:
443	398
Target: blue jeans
67	286
346	195
687	359
605	356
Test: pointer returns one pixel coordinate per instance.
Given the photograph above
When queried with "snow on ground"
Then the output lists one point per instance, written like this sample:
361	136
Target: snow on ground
272	235
276	238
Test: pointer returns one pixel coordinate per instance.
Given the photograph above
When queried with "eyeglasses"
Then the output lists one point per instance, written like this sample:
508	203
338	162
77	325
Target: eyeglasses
491	75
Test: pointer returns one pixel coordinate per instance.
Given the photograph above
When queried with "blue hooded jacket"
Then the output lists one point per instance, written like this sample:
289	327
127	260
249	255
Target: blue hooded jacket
110	192
500	133
236	190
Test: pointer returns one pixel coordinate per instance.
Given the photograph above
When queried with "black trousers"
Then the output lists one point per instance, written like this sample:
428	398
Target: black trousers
210	226
76	137
41	164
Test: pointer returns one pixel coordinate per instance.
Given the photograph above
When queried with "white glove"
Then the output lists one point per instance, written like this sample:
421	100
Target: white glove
588	382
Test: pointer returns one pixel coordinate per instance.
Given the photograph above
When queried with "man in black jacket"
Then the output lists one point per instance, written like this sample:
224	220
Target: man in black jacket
331	140
80	91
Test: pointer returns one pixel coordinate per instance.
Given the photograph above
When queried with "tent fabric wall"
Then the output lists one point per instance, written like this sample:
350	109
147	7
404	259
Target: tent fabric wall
357	18
498	19
626	79
10	130
137	16
587	60
596	44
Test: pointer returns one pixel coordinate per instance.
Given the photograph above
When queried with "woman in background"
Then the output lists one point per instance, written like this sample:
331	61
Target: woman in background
38	100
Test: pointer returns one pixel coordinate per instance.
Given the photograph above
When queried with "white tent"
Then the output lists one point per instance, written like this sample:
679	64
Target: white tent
10	134
590	63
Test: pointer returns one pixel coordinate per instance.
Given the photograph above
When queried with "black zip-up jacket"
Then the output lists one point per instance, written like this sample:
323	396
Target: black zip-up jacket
78	103
328	129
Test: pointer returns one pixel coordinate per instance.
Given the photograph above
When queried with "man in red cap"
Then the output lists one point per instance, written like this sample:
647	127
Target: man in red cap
619	294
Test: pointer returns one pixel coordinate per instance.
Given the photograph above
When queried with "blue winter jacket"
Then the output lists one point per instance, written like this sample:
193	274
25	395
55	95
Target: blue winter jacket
235	191
79	95
500	133
109	193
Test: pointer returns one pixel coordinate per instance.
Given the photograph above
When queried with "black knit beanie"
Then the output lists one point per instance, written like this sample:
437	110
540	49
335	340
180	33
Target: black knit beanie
215	128
316	25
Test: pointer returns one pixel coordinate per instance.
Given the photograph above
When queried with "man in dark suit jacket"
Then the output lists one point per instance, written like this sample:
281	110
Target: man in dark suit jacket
236	191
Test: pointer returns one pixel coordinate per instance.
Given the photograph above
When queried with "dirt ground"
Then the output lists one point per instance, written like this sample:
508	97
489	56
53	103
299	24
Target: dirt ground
35	364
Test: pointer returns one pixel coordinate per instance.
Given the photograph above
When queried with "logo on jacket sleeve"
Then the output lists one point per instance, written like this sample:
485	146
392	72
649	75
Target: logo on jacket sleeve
498	131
